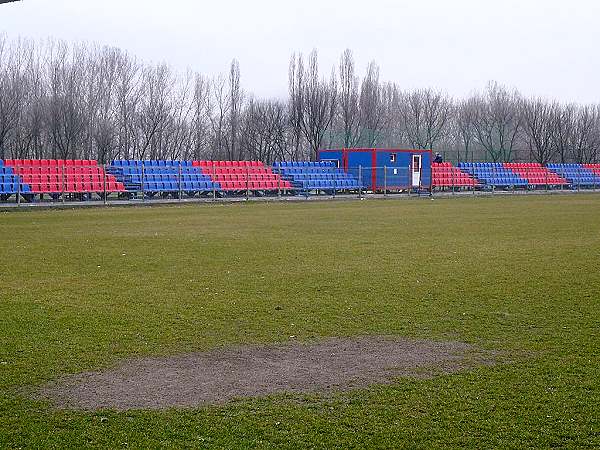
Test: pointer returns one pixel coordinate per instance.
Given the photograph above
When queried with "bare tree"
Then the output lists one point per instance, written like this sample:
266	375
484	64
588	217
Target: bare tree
66	112
464	120
11	91
372	113
497	121
295	113
155	109
425	115
236	98
585	138
538	118
218	111
313	100
348	100
29	131
128	96
200	126
564	128
263	132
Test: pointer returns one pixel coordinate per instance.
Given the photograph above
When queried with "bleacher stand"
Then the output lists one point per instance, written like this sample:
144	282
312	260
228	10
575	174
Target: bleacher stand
162	177
238	176
316	176
576	174
493	174
58	176
535	174
595	168
445	175
10	183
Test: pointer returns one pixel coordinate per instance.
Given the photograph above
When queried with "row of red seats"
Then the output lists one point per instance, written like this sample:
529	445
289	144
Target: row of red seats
254	185
50	162
82	188
448	171
227	164
64	175
251	176
239	170
535	173
58	170
240	175
446	175
52	178
450	182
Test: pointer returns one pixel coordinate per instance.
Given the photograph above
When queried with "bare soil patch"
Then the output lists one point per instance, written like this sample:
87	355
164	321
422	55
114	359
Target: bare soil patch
221	375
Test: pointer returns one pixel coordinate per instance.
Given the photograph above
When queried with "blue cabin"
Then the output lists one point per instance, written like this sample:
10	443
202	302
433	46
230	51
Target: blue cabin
394	169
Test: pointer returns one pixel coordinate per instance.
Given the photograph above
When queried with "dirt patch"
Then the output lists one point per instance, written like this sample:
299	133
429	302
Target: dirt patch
222	375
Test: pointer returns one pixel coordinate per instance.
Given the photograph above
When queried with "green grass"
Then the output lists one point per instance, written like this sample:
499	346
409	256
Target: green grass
81	289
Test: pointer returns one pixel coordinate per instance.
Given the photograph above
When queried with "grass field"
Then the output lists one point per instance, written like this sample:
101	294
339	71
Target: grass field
83	289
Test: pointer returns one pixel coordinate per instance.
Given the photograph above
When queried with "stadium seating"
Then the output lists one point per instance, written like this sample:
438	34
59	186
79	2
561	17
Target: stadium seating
446	175
595	168
56	176
493	174
243	175
316	176
9	182
535	174
161	176
576	174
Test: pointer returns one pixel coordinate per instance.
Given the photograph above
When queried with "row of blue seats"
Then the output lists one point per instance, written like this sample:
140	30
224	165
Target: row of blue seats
578	175
479	165
319	176
159	178
328	184
316	176
488	170
305	164
579	171
504	181
493	174
4	178
6	170
501	180
154	169
588	181
582	180
150	163
13	188
309	170
565	166
496	174
174	187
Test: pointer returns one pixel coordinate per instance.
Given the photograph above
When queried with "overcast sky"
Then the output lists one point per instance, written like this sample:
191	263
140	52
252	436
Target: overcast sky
543	47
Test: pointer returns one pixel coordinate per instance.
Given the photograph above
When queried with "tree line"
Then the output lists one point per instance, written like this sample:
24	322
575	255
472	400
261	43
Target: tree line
79	101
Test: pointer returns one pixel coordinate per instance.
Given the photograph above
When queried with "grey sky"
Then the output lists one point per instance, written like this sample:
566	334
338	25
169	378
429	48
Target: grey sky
542	47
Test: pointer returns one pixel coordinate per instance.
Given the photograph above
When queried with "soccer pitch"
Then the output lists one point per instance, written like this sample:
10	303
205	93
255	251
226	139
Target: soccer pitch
516	278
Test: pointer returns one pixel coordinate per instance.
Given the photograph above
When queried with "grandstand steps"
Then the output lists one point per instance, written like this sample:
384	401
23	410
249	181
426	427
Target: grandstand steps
321	176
